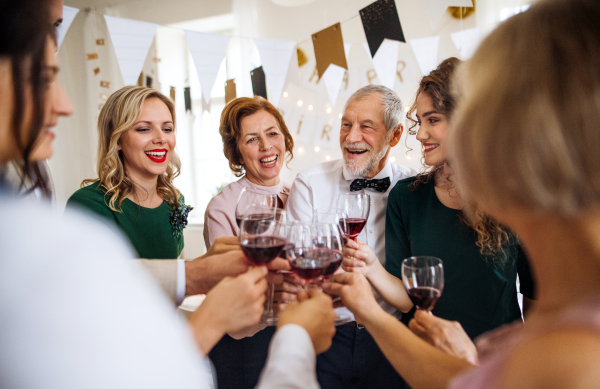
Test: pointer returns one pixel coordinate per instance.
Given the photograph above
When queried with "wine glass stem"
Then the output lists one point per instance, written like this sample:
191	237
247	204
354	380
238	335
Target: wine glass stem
269	311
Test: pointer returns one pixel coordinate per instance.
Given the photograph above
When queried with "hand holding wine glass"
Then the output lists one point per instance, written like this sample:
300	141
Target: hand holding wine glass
359	257
307	259
423	278
356	206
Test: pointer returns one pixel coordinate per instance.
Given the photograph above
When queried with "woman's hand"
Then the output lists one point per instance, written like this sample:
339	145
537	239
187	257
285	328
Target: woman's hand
355	292
286	291
358	257
314	312
448	336
232	305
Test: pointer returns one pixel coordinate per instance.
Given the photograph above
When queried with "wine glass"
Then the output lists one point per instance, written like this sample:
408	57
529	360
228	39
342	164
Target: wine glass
356	205
309	257
262	237
248	197
423	278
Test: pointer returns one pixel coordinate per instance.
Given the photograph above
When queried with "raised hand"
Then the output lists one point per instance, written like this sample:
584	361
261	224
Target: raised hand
314	312
222	245
359	257
448	336
232	305
355	292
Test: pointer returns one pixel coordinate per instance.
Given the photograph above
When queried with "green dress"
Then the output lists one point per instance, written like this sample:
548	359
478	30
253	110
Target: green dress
148	229
478	293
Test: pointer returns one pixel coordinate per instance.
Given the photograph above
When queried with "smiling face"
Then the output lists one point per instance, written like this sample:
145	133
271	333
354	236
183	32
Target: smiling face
262	146
433	130
147	147
364	139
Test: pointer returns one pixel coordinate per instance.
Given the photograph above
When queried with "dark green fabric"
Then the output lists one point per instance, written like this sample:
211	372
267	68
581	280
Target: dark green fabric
478	293
149	230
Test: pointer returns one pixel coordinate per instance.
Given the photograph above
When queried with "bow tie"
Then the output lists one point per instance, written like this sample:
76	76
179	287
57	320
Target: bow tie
379	185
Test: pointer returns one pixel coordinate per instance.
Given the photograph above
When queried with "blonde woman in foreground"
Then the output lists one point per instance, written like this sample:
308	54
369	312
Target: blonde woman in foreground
524	150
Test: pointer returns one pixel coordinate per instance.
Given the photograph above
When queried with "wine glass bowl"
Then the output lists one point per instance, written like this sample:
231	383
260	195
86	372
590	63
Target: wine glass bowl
423	278
248	197
261	237
356	206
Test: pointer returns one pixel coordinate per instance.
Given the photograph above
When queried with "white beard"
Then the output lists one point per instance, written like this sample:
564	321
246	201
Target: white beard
363	169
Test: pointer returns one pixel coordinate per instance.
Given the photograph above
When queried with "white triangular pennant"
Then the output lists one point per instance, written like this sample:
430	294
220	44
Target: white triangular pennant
426	51
275	56
466	41
385	61
437	8
69	14
333	78
131	40
208	51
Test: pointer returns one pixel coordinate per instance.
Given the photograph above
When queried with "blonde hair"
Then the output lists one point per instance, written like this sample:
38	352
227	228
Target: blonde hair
527	127
119	114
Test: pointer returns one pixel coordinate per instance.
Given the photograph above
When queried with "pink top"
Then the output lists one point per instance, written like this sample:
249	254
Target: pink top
505	339
219	218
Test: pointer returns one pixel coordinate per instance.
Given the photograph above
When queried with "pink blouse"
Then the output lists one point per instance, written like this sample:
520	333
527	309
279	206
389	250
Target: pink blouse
219	218
507	338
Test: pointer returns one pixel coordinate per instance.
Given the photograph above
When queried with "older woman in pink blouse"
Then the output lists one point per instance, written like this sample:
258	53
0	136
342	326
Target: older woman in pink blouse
256	142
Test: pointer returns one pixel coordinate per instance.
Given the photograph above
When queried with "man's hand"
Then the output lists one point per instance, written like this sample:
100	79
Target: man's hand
358	257
448	336
203	273
232	305
223	245
314	312
356	294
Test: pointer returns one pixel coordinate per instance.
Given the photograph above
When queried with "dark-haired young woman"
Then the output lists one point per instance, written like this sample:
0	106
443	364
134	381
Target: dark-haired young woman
425	218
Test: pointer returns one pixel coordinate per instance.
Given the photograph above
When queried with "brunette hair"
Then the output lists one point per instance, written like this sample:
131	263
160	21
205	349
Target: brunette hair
491	235
543	67
24	30
121	111
230	129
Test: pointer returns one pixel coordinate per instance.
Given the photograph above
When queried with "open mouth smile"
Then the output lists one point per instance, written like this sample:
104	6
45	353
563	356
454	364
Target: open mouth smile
269	161
352	151
428	147
158	155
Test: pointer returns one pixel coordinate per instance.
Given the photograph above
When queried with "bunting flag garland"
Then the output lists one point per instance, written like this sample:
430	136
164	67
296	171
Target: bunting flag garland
385	62
426	51
334	77
329	48
208	51
380	21
275	56
131	40
69	14
259	85
466	42
437	8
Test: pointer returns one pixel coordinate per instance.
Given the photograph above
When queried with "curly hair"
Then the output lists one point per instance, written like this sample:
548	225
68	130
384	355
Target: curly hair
230	129
491	235
121	111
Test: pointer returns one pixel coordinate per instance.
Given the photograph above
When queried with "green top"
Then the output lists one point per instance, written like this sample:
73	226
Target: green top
478	293
148	229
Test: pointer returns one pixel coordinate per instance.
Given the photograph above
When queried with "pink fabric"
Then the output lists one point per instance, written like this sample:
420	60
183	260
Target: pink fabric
219	218
505	339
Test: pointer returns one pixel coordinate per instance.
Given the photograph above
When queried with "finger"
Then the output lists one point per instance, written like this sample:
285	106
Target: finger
293	279
256	274
284	297
287	287
275	278
333	288
302	295
352	244
279	264
343	278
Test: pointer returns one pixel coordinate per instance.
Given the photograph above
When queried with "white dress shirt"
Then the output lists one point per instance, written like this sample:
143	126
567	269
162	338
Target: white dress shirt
318	187
78	312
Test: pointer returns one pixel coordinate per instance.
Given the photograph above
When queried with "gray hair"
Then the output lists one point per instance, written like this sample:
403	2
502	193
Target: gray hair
392	105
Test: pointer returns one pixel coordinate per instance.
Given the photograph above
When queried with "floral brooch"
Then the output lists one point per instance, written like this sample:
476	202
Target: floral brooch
179	217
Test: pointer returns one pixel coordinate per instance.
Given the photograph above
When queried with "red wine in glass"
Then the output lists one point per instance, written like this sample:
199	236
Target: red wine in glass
261	250
424	297
352	226
308	269
335	264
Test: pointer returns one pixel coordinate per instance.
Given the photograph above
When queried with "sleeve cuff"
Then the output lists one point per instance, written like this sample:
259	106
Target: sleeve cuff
293	340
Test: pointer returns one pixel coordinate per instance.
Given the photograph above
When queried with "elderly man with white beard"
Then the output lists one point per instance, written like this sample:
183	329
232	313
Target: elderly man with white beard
370	127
